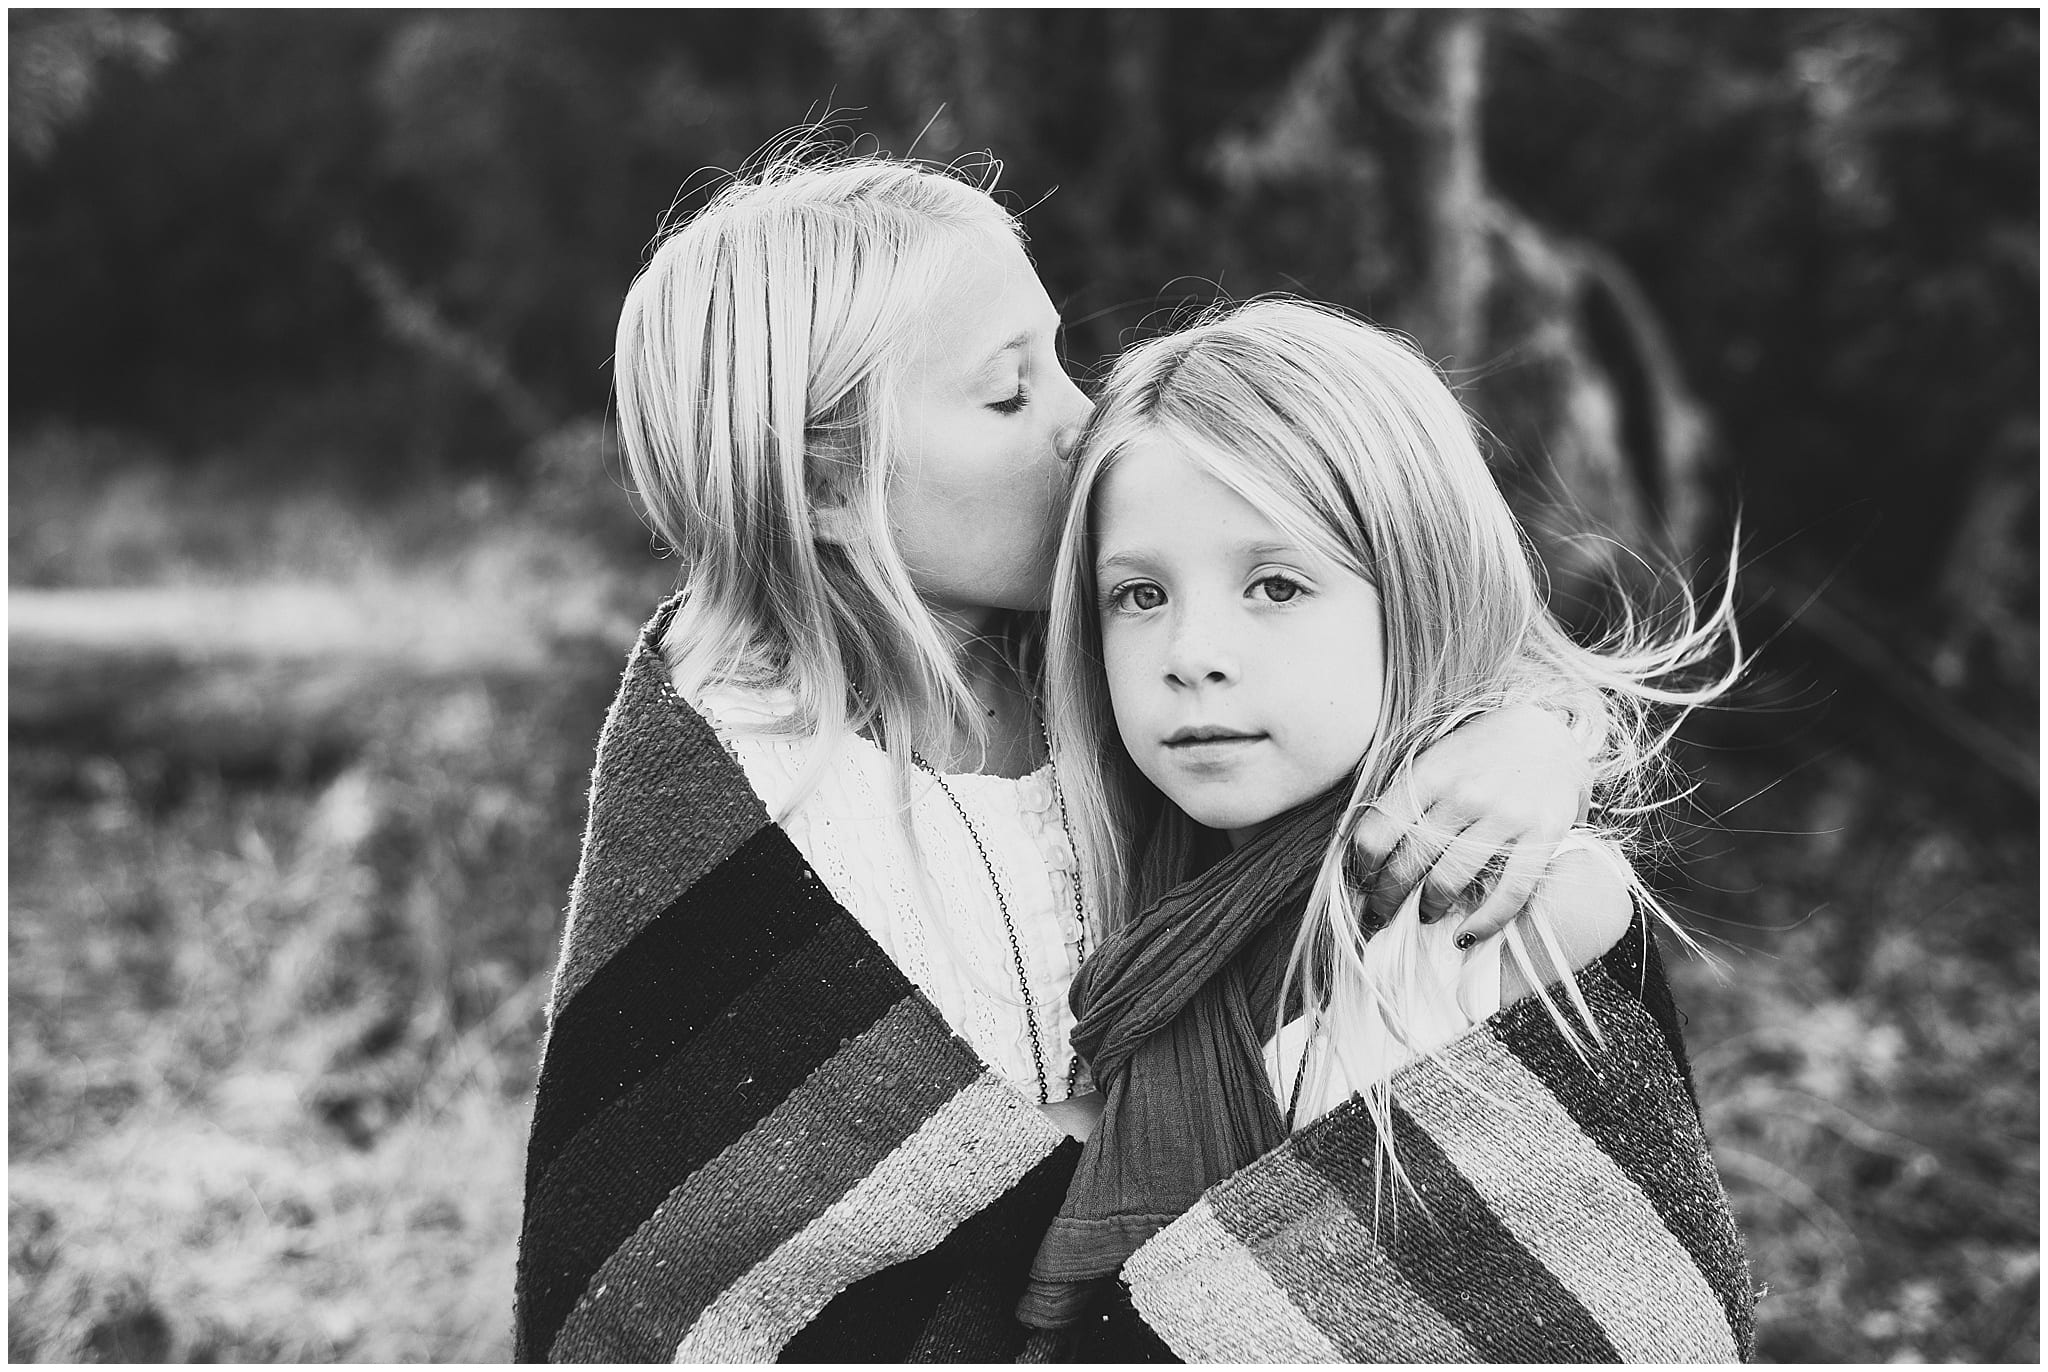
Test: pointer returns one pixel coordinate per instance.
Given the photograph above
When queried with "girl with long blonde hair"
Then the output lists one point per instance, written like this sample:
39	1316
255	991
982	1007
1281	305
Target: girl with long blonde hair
1274	501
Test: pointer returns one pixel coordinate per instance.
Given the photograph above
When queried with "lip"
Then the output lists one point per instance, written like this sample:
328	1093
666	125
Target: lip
1209	736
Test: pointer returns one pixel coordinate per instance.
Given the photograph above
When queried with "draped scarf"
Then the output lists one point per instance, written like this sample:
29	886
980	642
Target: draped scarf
1172	1013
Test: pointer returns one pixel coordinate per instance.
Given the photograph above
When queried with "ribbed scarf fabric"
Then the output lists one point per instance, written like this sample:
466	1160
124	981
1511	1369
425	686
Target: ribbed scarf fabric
1171	1016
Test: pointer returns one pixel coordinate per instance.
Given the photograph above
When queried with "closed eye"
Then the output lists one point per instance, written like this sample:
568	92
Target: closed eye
1014	403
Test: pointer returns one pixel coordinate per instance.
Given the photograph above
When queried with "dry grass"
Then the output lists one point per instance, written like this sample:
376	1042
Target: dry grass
274	1008
239	1234
272	1044
1869	1065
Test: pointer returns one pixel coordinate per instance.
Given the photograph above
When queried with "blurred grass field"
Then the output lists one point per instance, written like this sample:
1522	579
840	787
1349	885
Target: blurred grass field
280	926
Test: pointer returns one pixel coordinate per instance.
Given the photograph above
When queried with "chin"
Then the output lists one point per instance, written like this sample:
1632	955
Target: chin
1225	817
1026	597
1229	808
1036	594
1027	591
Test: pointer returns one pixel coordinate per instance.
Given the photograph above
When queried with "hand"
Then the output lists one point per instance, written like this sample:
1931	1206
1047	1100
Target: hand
1485	806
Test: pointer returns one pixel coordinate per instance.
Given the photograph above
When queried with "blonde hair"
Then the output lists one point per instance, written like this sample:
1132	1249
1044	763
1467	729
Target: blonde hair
756	354
1348	440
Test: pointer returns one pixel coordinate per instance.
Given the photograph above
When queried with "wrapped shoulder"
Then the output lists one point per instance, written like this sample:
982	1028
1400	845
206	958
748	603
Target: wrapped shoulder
752	1137
1549	1202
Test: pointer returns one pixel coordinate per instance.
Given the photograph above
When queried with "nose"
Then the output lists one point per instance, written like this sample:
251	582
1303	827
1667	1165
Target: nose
1077	407
1198	652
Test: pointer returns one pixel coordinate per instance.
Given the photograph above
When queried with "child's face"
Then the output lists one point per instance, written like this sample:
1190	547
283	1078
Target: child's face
1245	669
987	412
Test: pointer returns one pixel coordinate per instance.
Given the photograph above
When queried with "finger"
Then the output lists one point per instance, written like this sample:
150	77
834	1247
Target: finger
1421	847
1462	867
1519	877
1374	838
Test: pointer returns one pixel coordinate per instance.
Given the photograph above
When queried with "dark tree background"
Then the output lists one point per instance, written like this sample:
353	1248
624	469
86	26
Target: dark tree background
1785	260
1688	266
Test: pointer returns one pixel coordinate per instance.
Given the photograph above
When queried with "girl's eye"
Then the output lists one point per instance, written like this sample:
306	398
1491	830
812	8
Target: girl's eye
1136	596
1279	589
1014	403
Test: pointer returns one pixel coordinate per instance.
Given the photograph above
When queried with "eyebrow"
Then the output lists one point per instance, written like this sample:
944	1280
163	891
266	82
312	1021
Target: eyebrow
1140	557
987	370
1022	339
1269	548
1131	559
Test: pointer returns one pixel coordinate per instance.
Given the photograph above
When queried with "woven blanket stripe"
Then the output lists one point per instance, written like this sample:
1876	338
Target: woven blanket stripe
717	1084
723	1219
672	806
1456	1253
678	978
1560	1252
1636	967
1300	1275
708	1094
1654	1136
956	1303
1567	1203
979	1145
967	1323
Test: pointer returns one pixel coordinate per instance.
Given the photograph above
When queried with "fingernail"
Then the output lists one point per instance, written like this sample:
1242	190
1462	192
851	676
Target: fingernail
1465	941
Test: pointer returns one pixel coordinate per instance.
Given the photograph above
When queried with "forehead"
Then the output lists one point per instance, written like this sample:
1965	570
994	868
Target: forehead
1162	494
1156	483
987	298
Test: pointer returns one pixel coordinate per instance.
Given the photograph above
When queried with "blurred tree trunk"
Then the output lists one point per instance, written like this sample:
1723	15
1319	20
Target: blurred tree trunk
1622	439
1563	406
1453	189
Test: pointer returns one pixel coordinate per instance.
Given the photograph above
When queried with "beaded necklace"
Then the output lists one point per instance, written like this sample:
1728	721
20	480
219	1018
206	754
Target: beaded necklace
1010	926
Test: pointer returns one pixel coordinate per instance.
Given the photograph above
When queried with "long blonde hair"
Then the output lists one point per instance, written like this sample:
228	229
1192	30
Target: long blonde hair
755	356
1347	439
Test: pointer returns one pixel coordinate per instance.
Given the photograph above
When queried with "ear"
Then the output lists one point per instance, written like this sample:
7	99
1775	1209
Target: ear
832	485
833	519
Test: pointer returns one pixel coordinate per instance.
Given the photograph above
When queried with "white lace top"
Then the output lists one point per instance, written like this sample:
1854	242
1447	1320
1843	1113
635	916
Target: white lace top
849	830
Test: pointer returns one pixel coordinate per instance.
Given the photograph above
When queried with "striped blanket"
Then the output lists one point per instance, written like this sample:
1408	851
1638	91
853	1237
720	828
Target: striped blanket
753	1140
1565	1210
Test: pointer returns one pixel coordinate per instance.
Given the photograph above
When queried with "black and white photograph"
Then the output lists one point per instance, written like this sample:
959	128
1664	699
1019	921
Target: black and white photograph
1023	685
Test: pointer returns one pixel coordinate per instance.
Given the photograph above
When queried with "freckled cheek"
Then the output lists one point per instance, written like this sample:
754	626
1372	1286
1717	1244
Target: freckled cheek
1135	699
1335	707
1123	665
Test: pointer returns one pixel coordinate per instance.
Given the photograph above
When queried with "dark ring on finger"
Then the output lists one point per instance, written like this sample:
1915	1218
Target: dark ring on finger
1477	889
1358	878
1357	875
